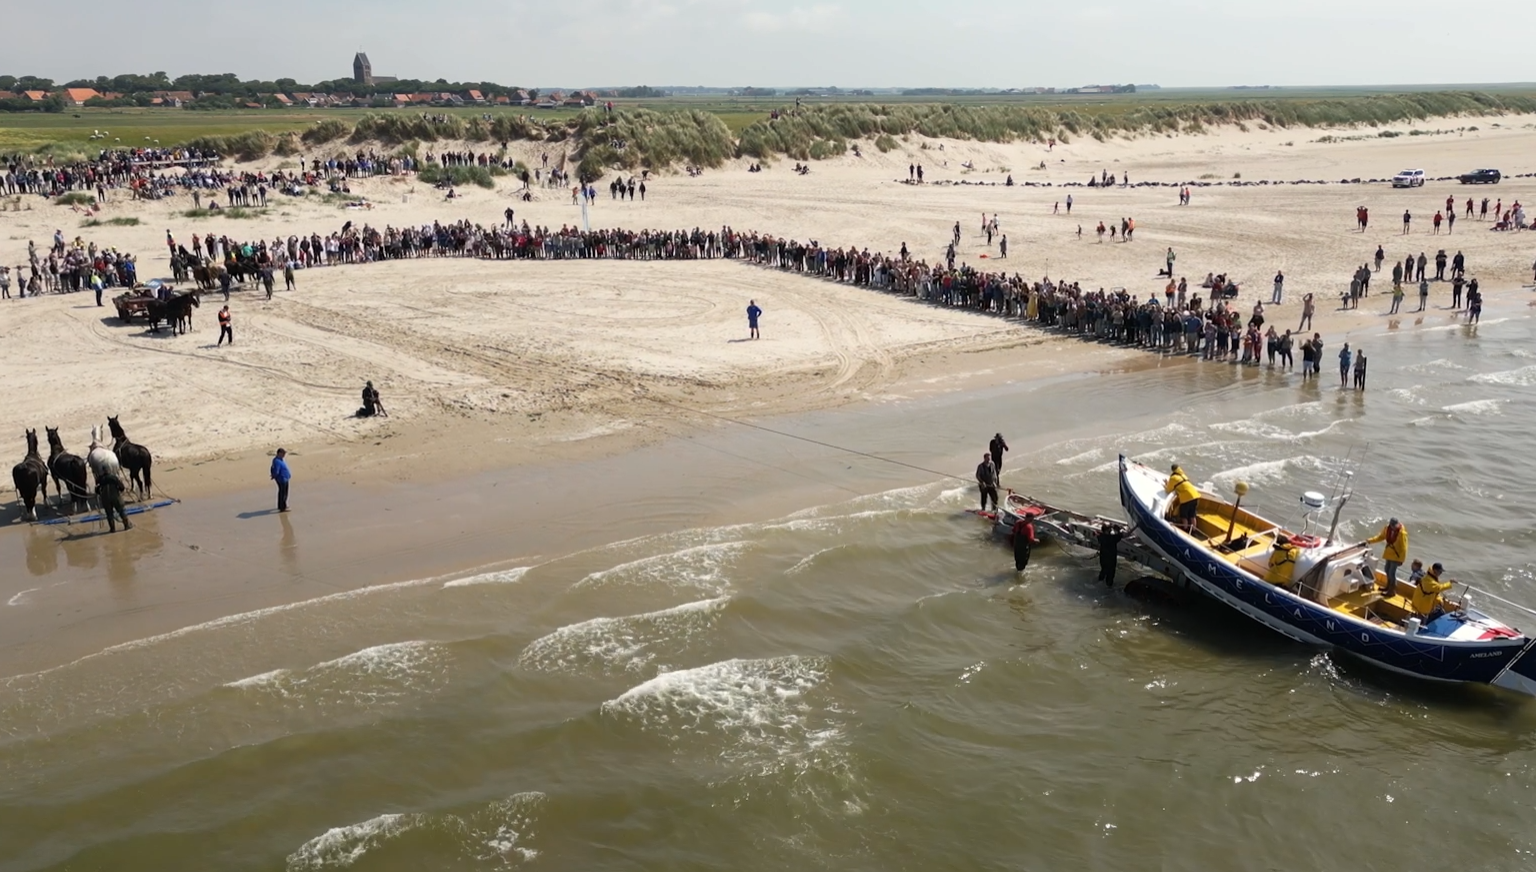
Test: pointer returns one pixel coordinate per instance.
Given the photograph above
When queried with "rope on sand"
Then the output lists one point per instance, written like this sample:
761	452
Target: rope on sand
729	420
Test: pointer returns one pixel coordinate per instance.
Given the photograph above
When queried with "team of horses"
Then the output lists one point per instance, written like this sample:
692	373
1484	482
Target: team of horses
186	266
68	471
175	312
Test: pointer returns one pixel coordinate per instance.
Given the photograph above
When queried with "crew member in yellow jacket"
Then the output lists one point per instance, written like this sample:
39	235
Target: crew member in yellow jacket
1186	495
1396	552
1427	602
1282	562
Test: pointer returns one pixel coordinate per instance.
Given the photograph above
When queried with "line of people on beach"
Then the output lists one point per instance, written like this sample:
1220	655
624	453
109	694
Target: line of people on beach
1177	323
115	169
359	244
1181	324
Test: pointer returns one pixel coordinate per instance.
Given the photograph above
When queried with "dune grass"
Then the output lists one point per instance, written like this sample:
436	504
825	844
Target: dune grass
235	212
795	131
75	198
706	131
120	221
326	130
433	174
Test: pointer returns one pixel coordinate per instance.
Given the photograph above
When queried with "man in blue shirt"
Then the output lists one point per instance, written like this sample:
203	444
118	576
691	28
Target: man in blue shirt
281	475
753	313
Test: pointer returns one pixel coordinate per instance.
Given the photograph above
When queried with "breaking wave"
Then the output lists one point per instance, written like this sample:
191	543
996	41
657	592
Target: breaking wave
628	643
497	835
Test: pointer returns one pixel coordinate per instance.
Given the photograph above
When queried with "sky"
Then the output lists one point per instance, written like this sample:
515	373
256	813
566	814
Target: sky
785	43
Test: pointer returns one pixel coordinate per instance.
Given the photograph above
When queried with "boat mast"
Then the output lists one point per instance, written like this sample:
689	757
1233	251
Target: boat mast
1338	508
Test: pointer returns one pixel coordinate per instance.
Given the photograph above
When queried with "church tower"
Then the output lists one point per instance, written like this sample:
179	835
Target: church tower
362	70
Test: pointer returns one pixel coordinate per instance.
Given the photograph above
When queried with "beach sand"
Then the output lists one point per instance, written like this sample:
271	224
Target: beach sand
489	367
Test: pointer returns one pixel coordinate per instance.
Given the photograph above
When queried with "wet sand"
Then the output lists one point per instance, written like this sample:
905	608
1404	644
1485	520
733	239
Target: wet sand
228	553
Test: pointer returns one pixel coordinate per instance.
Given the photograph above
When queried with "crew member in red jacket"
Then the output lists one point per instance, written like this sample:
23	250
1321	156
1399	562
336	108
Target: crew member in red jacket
1023	541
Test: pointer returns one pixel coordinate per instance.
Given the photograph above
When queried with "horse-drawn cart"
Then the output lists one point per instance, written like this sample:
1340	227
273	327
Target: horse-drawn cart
134	305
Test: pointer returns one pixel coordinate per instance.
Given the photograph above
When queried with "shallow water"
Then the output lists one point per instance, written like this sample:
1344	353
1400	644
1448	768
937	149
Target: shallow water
853	686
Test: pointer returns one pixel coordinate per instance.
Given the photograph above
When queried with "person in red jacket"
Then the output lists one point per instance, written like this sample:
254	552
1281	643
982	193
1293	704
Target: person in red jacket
1023	542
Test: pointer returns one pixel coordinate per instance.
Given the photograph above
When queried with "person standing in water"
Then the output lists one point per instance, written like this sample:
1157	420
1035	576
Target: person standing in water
986	480
995	450
281	476
1360	370
109	490
753	313
1023	542
1109	537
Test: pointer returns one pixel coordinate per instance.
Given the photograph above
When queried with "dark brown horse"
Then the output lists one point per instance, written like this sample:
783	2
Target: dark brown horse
68	470
30	476
175	312
134	457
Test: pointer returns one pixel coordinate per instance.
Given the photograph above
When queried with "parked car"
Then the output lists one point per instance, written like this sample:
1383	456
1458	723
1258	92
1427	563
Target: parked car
1408	179
1481	177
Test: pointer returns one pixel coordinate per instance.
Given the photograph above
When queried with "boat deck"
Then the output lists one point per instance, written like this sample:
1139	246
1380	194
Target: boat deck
1216	525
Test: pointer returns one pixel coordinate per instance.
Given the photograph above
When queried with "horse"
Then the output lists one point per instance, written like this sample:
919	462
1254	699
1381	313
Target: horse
135	457
30	475
67	469
205	276
175	312
181	307
101	458
155	312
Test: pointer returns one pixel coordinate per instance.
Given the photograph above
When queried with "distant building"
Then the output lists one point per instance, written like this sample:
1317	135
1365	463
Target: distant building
78	96
362	69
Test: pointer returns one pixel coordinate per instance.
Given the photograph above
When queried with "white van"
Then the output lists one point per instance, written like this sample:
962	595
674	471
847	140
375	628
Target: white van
1408	179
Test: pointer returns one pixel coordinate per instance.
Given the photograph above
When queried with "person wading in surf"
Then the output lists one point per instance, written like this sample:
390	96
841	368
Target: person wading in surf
995	449
1109	537
986	480
1023	542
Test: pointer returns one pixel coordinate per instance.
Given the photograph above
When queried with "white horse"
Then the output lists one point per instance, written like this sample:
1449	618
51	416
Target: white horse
102	460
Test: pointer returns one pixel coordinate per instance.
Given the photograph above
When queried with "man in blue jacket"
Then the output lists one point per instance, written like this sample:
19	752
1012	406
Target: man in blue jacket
753	313
281	475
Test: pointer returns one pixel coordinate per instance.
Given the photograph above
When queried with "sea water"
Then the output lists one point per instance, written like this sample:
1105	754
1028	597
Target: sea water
860	685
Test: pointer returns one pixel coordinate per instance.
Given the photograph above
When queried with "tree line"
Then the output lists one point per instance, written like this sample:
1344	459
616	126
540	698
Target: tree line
229	91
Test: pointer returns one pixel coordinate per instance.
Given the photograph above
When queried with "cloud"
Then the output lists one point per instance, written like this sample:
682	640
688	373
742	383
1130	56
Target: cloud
812	18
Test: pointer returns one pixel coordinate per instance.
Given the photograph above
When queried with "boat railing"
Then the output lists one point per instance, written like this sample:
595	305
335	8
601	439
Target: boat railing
1469	589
